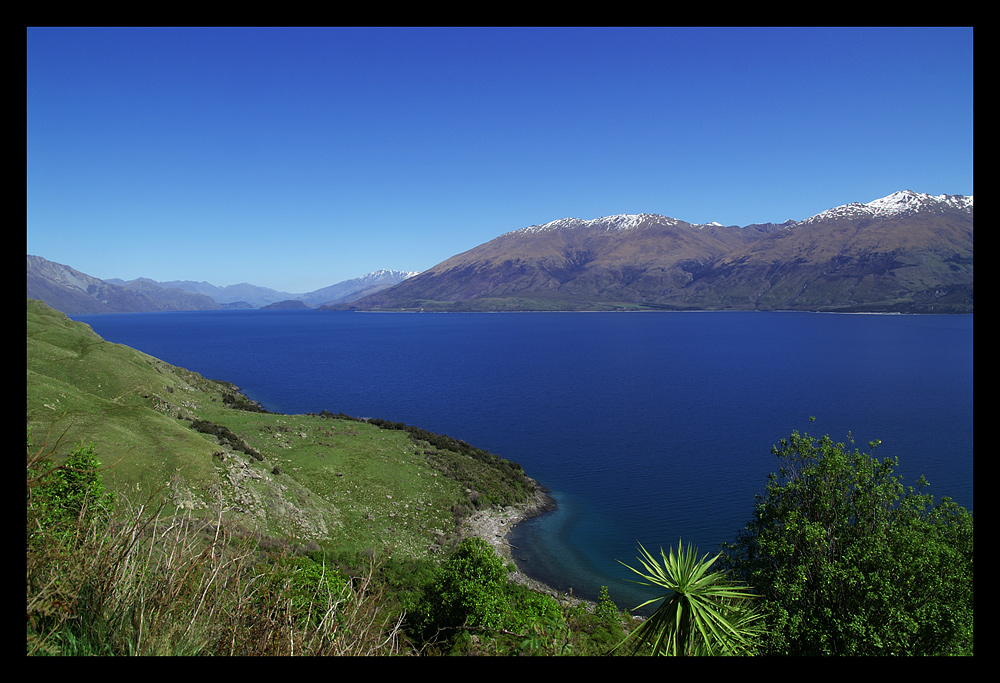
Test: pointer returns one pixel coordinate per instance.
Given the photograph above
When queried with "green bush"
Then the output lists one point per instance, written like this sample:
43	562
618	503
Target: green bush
848	561
308	584
469	591
61	496
605	609
600	631
529	608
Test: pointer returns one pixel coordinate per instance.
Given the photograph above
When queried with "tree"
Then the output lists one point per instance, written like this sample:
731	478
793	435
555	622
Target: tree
471	593
469	590
848	561
703	613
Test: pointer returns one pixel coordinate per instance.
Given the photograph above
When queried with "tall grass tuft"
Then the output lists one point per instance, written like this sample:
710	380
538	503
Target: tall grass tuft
171	584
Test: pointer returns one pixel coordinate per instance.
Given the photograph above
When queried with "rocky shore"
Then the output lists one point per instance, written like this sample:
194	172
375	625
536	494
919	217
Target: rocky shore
495	525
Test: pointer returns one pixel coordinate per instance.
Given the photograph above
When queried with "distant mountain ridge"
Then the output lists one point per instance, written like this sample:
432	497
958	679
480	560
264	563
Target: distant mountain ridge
257	297
350	290
74	293
907	252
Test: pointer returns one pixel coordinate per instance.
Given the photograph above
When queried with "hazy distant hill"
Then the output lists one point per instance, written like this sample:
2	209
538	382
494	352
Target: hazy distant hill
251	296
259	297
72	292
286	305
349	290
905	252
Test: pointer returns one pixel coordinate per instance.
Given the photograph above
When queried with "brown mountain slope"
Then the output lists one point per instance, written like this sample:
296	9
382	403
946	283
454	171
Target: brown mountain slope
905	252
921	260
571	264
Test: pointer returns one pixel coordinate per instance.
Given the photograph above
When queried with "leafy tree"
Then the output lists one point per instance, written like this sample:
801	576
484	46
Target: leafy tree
703	613
847	561
472	592
468	591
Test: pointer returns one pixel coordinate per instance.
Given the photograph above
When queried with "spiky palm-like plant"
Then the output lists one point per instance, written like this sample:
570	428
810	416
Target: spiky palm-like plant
703	613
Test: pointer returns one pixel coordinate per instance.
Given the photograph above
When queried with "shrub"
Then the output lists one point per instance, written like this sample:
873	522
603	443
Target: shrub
847	561
61	496
308	584
469	591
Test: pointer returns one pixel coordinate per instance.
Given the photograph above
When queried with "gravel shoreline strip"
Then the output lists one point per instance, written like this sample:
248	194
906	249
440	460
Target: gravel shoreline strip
495	525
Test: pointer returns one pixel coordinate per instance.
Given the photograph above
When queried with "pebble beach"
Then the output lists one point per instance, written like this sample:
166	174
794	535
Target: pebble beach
495	525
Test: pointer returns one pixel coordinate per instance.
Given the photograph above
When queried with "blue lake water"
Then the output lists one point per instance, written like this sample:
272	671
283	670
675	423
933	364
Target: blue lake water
647	427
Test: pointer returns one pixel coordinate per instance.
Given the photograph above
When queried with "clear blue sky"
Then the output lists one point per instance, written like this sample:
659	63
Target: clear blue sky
295	158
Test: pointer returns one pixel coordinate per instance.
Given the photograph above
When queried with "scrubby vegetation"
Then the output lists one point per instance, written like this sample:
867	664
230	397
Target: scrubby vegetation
500	482
104	581
142	583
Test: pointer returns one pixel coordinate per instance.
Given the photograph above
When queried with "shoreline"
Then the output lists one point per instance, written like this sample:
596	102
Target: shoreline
495	526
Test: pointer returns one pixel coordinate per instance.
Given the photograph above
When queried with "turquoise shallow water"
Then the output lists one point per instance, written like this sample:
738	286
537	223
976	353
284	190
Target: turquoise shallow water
647	427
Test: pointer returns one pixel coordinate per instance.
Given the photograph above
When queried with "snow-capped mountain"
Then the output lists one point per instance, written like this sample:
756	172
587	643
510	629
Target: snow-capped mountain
915	256
896	205
349	290
907	251
386	274
618	223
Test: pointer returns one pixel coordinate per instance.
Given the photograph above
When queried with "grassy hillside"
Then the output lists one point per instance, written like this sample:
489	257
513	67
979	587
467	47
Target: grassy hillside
237	531
344	484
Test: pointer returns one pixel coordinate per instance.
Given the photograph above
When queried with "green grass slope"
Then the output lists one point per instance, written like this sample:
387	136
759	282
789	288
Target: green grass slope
160	430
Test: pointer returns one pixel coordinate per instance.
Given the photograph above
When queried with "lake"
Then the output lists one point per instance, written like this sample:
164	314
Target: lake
646	427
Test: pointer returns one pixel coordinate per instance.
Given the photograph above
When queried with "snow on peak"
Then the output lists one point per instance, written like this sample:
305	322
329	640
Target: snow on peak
908	200
896	204
618	223
387	273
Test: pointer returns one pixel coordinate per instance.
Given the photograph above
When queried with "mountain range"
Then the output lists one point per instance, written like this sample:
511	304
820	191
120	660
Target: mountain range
907	252
74	293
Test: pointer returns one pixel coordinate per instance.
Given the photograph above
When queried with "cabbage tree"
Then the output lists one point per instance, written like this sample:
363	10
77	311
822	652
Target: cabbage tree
702	612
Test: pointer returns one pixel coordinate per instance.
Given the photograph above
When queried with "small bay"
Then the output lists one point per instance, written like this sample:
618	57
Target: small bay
647	427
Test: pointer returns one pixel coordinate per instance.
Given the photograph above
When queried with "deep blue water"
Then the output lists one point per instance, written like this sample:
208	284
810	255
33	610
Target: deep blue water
647	427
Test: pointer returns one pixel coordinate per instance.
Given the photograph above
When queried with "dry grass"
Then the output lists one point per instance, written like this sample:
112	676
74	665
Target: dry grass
174	586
